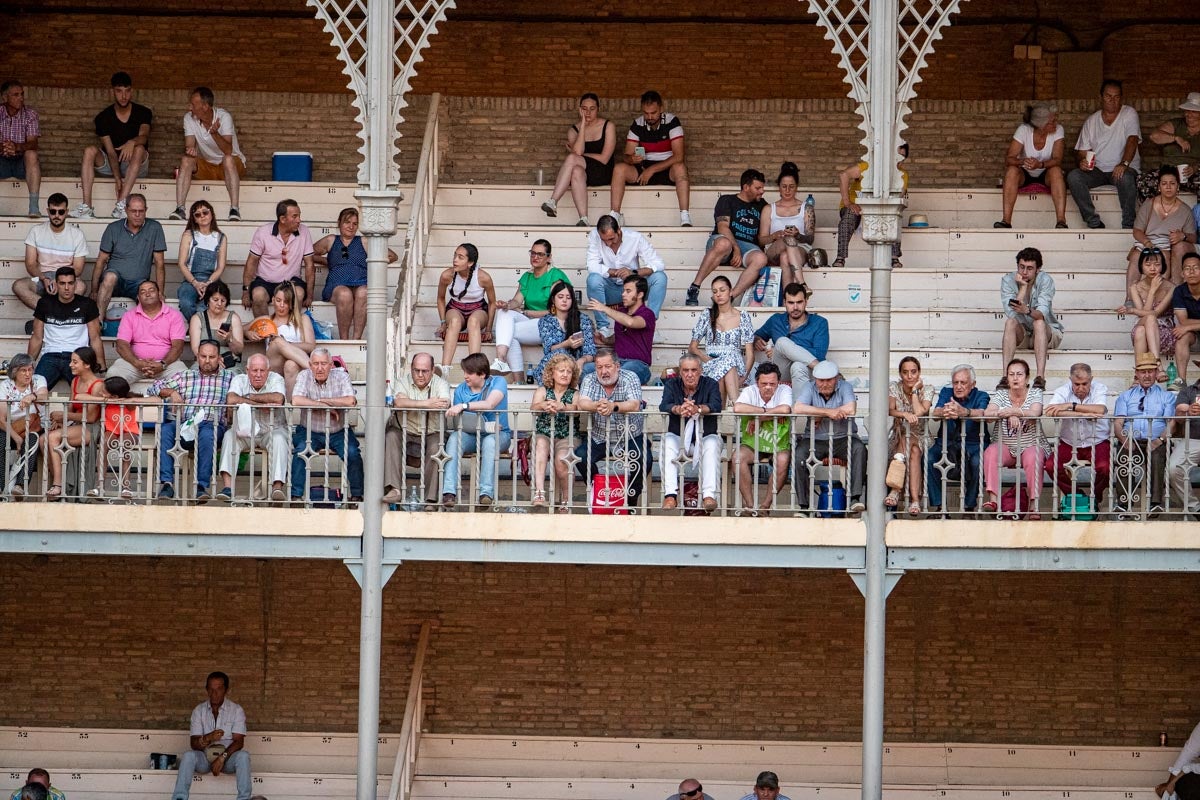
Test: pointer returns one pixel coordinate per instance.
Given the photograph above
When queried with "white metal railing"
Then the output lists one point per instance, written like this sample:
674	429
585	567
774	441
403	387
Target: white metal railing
410	731
416	236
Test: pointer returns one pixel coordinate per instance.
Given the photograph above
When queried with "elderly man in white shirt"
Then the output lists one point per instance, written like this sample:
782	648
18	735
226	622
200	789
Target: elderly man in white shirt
218	735
258	420
614	254
210	152
1083	434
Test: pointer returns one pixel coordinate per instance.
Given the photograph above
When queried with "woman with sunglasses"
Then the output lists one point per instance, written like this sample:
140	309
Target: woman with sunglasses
201	256
1164	223
517	319
346	285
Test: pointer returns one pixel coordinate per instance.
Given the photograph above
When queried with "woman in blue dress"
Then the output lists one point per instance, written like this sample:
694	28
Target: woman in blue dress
346	285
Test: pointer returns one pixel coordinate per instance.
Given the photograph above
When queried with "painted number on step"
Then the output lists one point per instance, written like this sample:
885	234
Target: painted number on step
656	194
137	776
20	734
1081	235
264	738
83	736
1135	754
382	740
143	737
76	776
256	780
532	194
1012	752
316	781
326	739
331	190
268	189
1019	235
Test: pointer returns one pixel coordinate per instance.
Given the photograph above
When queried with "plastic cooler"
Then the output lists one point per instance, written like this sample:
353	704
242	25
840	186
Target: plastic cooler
291	167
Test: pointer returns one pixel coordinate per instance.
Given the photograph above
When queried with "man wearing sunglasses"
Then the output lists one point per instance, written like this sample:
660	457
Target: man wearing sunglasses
280	251
49	246
1142	427
690	789
766	787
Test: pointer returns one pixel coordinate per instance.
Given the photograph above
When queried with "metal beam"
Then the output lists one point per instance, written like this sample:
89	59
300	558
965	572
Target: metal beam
355	565
1022	559
106	543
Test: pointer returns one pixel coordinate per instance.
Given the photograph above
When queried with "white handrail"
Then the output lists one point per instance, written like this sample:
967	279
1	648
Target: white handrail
410	732
416	236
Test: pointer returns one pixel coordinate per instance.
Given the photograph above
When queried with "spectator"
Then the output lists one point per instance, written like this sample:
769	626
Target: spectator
1082	405
63	322
40	777
1179	139
654	156
217	323
1034	158
289	346
692	402
50	246
132	250
323	386
690	789
466	298
961	440
615	254
19	133
1187	763
150	338
255	426
73	427
202	249
122	432
1185	301
346	283
1185	451
761	439
1027	297
591	147
633	337
788	227
23	395
829	400
517	319
734	239
1016	438
793	339
614	399
566	330
218	741
1150	302
1142	425
32	791
279	251
908	406
210	151
554	429
124	133
766	787
412	437
850	212
1107	149
482	401
195	418
1163	223
728	337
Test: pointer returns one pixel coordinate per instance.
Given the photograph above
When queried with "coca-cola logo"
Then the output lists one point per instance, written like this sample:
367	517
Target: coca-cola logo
610	496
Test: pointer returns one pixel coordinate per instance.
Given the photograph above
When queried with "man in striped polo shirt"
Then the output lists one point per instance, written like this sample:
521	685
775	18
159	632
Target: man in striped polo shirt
653	156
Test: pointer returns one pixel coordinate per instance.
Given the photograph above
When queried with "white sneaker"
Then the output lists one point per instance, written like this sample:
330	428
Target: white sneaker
685	219
617	216
500	367
550	207
119	210
82	211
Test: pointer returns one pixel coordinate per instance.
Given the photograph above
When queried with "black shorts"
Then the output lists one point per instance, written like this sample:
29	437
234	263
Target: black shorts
298	282
598	174
662	178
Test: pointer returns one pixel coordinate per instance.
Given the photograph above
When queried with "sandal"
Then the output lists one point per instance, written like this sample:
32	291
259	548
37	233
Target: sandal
990	507
892	500
539	498
838	263
896	263
54	492
914	509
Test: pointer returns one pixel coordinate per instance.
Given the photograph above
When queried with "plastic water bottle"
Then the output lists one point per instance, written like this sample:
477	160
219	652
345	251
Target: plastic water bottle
809	202
413	502
1172	372
387	393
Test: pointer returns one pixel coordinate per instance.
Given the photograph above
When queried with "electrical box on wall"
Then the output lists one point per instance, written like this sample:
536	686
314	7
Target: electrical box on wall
1079	74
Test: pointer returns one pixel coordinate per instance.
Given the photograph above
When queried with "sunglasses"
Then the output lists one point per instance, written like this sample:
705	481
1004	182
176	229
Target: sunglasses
693	793
57	212
345	251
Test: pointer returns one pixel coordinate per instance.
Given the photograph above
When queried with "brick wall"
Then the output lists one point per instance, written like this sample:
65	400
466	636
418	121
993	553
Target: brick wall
734	653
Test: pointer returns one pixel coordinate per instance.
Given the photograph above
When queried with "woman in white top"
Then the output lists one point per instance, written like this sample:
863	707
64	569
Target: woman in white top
294	338
22	398
201	256
1035	157
786	227
466	298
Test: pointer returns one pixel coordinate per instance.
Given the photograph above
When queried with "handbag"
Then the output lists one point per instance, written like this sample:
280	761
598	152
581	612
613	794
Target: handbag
766	289
897	470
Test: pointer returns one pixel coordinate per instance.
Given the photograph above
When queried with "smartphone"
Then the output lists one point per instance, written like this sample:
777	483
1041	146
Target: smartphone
226	326
1014	302
639	151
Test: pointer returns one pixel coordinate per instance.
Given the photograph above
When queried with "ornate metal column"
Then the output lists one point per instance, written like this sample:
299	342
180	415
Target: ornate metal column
380	42
882	59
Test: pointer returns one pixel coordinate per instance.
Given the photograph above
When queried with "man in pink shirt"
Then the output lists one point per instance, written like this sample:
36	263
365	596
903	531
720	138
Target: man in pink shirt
277	252
149	339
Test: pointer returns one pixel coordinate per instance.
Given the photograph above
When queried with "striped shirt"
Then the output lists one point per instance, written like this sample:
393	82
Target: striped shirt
19	127
1018	433
657	140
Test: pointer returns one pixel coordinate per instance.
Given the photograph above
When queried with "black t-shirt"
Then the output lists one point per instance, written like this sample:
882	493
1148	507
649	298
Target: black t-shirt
65	324
108	124
743	216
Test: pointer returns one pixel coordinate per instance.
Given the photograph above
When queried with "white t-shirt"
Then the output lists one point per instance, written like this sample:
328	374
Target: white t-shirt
59	249
751	397
1076	431
230	718
1024	135
205	145
1109	140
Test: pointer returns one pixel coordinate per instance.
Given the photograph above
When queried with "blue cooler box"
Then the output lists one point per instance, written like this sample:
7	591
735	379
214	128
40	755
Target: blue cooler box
291	167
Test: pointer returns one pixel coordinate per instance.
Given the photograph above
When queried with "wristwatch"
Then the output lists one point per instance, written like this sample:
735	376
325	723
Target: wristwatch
245	288
1125	163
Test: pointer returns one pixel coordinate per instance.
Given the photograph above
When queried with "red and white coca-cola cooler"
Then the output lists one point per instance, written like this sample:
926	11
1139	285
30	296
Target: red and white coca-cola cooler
608	495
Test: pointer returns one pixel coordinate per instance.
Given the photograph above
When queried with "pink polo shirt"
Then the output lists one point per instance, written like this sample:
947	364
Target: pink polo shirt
151	337
270	249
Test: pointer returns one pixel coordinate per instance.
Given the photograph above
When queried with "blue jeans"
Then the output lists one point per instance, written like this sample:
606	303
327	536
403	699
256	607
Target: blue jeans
639	368
489	444
194	761
968	475
204	446
344	443
608	291
54	367
189	298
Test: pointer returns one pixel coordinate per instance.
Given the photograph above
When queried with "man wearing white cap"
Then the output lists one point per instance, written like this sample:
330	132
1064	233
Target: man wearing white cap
829	400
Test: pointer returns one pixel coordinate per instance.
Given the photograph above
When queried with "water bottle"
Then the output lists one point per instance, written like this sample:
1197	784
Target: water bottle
809	202
413	502
387	393
1172	373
